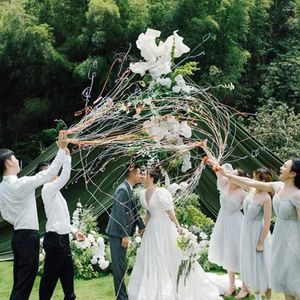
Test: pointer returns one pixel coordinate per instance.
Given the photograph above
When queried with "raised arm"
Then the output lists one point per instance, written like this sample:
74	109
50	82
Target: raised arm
64	177
210	156
28	183
222	180
263	186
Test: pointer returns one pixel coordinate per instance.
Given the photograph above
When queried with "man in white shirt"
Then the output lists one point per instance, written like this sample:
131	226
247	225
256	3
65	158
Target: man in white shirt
18	207
58	260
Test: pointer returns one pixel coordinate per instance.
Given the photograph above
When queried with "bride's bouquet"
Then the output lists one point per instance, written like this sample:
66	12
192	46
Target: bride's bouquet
191	249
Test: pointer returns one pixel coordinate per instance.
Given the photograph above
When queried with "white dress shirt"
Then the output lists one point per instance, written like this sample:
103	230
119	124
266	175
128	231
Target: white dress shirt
17	195
57	213
130	186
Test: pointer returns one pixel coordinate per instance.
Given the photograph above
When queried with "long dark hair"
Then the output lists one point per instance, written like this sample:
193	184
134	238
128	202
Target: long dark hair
296	168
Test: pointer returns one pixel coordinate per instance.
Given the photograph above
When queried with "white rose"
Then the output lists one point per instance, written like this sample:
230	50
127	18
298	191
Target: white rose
100	240
138	239
164	82
203	243
91	238
203	236
94	260
181	85
192	237
173	188
103	264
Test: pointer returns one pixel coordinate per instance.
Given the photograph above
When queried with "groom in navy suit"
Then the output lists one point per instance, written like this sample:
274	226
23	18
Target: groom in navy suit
122	223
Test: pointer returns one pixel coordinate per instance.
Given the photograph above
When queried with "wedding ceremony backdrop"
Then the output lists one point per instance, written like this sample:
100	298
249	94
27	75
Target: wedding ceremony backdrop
105	184
51	51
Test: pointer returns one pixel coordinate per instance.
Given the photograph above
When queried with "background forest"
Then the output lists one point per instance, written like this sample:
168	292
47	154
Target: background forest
48	46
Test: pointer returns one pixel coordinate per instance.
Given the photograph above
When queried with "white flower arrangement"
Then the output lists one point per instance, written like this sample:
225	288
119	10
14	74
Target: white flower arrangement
167	127
158	57
93	247
181	85
175	187
191	250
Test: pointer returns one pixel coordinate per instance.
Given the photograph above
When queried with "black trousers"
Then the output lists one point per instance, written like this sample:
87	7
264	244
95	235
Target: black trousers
26	246
118	258
58	265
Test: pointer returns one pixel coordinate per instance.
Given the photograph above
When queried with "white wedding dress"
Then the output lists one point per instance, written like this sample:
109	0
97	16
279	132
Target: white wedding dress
155	271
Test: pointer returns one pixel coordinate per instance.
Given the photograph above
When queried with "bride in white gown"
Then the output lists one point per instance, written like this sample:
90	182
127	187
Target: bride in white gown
155	271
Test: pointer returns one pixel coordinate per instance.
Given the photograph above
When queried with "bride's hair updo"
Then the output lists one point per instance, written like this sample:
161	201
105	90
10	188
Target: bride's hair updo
155	173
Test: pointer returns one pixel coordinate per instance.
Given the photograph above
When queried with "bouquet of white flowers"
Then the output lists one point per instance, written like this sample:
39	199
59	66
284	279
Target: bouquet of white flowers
89	255
191	248
134	244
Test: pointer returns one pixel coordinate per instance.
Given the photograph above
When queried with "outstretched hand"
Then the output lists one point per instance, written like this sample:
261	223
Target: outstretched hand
221	170
203	144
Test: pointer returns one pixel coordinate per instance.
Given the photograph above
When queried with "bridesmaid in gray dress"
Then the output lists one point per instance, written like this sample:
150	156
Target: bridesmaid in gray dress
285	257
224	247
256	239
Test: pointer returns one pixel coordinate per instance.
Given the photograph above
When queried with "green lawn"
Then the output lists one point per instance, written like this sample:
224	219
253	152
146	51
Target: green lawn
95	289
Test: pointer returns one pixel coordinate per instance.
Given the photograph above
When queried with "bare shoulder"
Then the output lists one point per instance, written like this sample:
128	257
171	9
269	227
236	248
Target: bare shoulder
266	197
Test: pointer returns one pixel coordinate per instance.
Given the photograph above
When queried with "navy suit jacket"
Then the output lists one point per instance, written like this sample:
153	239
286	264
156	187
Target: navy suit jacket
124	216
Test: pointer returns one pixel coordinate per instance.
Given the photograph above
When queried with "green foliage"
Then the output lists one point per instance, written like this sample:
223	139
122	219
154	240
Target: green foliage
102	14
282	79
95	64
134	18
190	214
278	127
206	264
47	47
82	263
83	256
187	69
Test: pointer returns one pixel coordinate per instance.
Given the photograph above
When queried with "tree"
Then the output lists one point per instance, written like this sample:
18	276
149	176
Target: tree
29	63
277	126
283	73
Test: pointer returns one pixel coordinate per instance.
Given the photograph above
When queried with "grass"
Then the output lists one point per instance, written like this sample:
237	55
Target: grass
94	289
